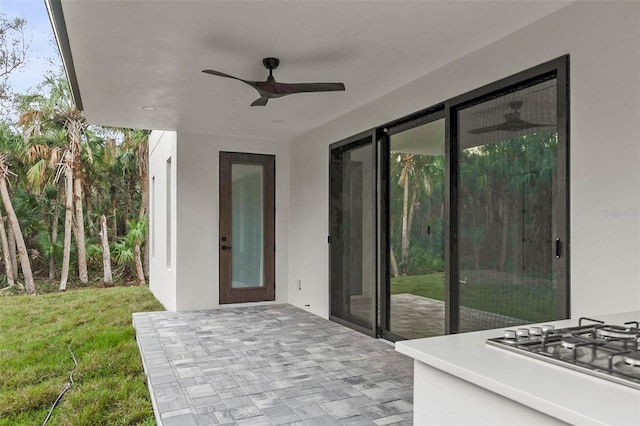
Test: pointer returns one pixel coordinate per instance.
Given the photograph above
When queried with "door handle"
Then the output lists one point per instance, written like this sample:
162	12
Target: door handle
558	248
225	247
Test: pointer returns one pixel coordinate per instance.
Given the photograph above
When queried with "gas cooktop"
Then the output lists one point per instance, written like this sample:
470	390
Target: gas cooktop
593	347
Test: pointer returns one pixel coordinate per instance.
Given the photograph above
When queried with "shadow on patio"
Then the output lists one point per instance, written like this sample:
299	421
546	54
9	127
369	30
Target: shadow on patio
270	365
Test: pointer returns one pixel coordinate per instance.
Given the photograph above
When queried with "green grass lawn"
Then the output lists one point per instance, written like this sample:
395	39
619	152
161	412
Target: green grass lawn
530	303
431	286
35	332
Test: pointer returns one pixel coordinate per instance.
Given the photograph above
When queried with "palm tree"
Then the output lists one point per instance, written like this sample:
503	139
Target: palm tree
106	252
5	252
15	225
138	142
126	251
54	110
137	232
74	123
412	173
66	168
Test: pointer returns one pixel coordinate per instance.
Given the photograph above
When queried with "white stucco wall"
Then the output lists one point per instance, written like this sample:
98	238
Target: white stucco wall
198	215
162	279
603	39
191	283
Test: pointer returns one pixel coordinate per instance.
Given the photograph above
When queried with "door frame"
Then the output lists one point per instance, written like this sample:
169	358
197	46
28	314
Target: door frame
356	140
557	68
228	294
419	118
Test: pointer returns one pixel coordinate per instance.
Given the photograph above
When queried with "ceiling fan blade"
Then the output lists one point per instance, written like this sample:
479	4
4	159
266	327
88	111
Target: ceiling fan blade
487	129
511	125
290	88
262	101
221	74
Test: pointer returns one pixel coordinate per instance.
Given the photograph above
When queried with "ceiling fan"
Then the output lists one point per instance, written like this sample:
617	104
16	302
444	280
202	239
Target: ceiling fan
270	88
512	122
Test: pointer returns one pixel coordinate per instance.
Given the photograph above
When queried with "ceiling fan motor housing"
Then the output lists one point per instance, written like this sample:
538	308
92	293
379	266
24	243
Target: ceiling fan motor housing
271	63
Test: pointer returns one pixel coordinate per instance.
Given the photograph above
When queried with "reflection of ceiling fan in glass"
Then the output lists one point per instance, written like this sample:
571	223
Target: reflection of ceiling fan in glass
512	122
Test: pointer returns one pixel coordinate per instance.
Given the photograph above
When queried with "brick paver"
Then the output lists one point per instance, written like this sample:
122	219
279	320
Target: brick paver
270	365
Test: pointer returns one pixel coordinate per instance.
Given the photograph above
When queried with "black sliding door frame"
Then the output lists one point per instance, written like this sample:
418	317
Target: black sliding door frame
336	272
379	138
558	69
384	134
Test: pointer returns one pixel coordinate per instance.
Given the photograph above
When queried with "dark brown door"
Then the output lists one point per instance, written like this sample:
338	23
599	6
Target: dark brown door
247	227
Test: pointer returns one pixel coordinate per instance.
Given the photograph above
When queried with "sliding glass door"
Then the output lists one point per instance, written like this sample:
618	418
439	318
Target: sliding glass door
456	218
415	177
509	260
352	240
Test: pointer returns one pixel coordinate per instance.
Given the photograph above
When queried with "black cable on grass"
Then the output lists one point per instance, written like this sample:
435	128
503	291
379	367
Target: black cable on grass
68	386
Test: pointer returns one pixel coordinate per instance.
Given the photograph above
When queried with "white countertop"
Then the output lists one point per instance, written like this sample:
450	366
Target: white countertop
571	396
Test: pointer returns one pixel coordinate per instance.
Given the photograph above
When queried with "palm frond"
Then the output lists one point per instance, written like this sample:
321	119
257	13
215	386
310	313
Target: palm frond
36	174
54	157
37	152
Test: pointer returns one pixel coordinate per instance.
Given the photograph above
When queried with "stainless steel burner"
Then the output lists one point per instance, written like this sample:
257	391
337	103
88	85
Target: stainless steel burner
632	358
607	351
614	333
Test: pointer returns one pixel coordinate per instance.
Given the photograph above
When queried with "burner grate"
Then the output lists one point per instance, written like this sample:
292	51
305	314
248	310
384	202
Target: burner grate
593	347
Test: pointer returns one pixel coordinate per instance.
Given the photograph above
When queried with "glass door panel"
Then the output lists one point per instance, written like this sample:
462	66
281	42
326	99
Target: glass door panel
416	217
247	225
507	173
352	219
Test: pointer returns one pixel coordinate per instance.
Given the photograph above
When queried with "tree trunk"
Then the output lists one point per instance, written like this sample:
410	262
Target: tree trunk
79	225
144	205
505	235
54	237
145	259
12	252
68	219
114	214
22	248
106	253
407	243
476	243
404	245
5	252
139	271
144	202
87	200
394	263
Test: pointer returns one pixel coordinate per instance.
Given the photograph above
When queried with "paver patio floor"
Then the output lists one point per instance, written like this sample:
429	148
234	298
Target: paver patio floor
414	317
270	365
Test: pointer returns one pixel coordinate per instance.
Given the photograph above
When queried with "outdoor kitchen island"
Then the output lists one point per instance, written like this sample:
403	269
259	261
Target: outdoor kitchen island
460	379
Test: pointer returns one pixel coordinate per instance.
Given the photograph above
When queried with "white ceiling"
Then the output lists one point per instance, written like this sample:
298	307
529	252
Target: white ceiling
130	54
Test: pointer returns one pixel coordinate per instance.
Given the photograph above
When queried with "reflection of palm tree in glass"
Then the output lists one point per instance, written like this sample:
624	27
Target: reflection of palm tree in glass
416	182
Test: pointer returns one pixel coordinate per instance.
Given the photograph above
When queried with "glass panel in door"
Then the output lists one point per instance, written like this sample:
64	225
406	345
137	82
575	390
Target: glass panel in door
353	235
247	225
508	155
416	231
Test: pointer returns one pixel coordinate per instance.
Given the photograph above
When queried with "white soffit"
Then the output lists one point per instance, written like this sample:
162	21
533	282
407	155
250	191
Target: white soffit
130	54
